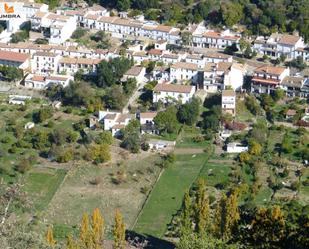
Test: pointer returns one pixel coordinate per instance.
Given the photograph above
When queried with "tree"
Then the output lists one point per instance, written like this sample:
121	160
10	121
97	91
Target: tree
131	137
71	244
278	95
43	114
100	153
186	38
255	148
268	228
101	40
86	235
188	113
201	208
50	237
166	121
129	86
105	137
193	241
227	215
115	98
232	13
123	5
119	231
97	226
78	33
186	223
84	229
298	63
20	36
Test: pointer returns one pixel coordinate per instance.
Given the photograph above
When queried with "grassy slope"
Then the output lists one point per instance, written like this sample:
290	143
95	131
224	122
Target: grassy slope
167	195
42	184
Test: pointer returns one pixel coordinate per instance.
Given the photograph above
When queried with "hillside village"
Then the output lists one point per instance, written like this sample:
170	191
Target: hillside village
105	110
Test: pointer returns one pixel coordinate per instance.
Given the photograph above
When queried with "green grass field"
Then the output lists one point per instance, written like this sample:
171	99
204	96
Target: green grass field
42	184
166	197
215	173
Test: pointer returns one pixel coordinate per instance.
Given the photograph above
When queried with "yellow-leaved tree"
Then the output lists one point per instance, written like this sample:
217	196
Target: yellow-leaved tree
119	231
97	226
50	237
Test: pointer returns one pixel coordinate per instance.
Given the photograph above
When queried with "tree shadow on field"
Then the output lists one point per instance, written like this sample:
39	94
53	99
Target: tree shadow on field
153	242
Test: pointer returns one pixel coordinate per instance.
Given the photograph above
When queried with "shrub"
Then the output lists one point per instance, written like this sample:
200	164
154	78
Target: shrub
198	139
23	166
295	186
145	146
144	190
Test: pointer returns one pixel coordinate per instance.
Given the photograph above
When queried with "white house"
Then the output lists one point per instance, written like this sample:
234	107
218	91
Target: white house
267	79
228	102
223	75
40	82
114	121
236	148
279	44
215	57
169	58
45	63
58	28
147	122
135	72
234	76
161	74
72	65
146	117
196	59
183	71
173	92
19	60
213	39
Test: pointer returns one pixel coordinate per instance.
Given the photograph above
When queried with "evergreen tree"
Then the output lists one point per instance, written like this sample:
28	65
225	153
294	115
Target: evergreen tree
50	237
119	231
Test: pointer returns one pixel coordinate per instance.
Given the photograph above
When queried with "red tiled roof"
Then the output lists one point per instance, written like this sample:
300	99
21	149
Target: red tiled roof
148	114
173	88
265	81
12	56
270	70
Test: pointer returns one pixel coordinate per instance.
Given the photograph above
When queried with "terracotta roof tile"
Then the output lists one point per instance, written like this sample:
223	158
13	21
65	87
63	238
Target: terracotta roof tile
12	56
173	88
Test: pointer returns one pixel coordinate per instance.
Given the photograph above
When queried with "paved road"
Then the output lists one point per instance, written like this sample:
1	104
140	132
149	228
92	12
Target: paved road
135	96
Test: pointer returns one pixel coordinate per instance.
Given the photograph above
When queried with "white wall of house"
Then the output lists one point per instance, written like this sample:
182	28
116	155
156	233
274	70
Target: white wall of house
167	97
